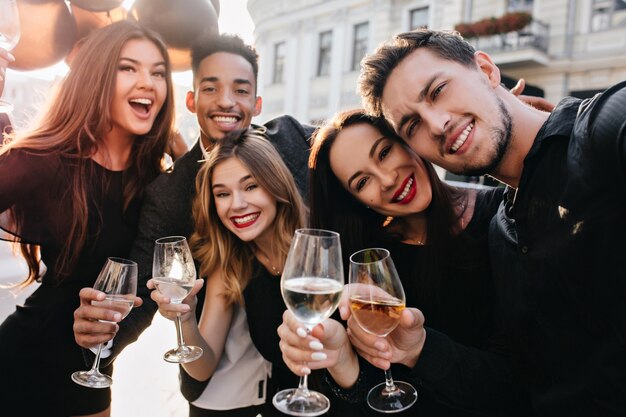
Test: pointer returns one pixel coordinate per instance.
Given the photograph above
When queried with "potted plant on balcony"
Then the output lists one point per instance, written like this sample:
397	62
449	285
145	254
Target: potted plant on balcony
513	22
509	22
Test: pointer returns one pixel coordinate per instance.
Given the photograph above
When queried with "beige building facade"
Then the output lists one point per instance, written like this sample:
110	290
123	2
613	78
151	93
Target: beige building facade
310	49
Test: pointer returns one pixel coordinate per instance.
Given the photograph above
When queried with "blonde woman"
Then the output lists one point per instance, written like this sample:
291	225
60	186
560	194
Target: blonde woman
246	211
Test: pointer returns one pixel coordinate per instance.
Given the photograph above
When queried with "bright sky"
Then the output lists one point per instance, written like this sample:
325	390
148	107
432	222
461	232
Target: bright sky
234	18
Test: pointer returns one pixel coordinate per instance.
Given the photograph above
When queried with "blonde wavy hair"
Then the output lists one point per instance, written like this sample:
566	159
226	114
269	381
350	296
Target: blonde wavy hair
212	243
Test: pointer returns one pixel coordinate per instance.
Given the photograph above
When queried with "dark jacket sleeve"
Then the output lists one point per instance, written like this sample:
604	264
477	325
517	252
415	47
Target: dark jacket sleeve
606	123
597	150
292	141
487	382
166	211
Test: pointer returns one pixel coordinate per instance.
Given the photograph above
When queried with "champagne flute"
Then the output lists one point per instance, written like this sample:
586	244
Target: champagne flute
9	36
311	286
118	280
173	274
376	302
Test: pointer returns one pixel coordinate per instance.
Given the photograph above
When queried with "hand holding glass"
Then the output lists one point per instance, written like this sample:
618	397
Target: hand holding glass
311	285
118	280
9	35
173	274
376	302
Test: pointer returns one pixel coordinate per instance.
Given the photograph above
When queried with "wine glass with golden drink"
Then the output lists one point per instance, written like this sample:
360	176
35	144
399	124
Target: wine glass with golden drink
376	302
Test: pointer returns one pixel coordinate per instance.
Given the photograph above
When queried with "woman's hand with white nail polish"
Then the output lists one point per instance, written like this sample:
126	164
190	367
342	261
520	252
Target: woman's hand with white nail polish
323	347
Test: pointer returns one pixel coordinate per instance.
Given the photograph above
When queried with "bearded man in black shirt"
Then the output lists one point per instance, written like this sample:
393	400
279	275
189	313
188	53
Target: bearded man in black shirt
557	241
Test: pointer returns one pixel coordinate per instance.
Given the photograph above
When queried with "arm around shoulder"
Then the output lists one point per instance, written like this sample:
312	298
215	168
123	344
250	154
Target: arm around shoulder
606	123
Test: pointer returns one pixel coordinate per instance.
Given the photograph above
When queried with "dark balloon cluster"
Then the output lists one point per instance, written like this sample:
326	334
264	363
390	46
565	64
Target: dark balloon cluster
52	30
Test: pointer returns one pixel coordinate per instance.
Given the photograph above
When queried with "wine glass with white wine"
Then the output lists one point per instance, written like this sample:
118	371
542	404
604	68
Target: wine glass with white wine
173	274
9	36
311	285
118	280
376	302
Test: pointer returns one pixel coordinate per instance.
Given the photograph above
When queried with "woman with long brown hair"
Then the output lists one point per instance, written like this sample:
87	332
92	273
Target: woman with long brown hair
70	191
246	210
383	195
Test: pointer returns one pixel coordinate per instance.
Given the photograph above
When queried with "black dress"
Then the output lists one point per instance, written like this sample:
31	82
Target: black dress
455	292
264	309
38	352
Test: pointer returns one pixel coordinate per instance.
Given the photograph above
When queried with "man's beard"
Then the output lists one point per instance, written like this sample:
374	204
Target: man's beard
501	136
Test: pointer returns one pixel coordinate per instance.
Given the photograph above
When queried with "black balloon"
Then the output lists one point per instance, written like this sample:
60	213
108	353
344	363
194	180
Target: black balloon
87	21
48	32
97	5
180	23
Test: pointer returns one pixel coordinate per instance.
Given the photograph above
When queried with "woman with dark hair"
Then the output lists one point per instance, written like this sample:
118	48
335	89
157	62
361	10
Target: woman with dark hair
383	195
70	191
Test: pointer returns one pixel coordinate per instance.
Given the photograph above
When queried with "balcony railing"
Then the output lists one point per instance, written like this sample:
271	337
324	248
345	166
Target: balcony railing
535	35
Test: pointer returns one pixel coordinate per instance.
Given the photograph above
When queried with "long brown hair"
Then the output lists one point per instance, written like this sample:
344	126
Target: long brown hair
213	244
76	120
357	225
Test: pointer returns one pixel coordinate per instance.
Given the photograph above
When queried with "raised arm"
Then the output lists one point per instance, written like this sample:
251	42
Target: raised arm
210	333
165	212
483	381
327	347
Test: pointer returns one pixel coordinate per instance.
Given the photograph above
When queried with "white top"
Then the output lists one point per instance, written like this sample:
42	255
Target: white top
240	379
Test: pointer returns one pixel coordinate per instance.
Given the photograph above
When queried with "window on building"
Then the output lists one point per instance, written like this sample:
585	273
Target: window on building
279	62
520	6
323	63
359	49
418	18
606	14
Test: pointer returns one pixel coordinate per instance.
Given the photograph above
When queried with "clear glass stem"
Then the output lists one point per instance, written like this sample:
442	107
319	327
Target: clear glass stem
390	387
303	384
179	332
96	361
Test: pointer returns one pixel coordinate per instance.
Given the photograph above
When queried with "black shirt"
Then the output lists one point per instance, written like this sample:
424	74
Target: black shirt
557	248
454	289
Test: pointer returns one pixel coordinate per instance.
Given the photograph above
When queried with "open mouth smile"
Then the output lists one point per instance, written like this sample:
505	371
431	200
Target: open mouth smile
226	121
246	220
406	192
141	105
460	140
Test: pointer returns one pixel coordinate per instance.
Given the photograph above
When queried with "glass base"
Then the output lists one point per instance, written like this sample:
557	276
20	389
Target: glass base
184	354
92	379
386	401
298	402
